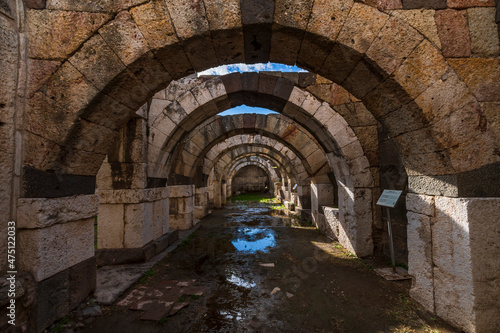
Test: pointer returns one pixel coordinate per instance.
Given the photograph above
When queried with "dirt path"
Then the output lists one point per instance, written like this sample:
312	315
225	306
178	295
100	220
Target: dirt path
223	279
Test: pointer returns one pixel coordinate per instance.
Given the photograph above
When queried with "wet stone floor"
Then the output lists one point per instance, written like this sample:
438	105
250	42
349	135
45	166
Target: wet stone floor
250	268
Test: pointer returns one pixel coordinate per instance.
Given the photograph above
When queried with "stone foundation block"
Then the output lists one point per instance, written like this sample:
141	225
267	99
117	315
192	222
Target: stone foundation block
138	229
420	259
40	213
48	251
110	226
182	221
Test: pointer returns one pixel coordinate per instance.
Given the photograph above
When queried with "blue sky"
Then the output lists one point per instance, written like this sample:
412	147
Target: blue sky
227	69
270	66
246	109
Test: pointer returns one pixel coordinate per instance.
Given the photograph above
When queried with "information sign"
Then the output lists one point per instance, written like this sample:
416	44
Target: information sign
389	198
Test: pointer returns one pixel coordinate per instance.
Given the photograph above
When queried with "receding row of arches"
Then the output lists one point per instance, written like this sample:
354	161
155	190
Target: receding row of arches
113	124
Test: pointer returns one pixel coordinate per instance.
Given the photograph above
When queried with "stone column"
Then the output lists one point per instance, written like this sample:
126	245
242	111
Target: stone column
453	250
182	206
304	196
321	195
55	240
132	218
224	193
201	202
217	191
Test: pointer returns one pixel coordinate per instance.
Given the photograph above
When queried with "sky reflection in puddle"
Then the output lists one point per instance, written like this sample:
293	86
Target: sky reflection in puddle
241	282
254	239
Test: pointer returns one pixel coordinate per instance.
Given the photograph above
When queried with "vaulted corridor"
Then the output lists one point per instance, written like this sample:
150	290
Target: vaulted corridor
250	267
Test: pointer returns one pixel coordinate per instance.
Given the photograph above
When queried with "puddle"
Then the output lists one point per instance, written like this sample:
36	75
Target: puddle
240	282
254	240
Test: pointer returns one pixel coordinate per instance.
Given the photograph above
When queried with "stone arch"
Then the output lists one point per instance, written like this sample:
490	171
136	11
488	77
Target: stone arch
263	163
382	77
393	68
244	167
286	133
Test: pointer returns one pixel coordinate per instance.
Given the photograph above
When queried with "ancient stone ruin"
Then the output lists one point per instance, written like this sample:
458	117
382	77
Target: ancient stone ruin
104	118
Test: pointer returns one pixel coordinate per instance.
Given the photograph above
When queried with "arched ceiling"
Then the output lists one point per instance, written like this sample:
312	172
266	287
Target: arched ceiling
123	60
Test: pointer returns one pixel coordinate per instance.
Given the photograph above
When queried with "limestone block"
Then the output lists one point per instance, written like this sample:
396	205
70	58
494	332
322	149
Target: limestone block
453	280
420	259
470	3
423	21
188	102
47	251
361	27
125	38
481	75
321	21
154	21
200	212
72	29
332	219
393	44
181	221
178	191
161	217
453	32
482	216
483	31
132	195
110	226
421	204
42	213
423	67
189	20
138	224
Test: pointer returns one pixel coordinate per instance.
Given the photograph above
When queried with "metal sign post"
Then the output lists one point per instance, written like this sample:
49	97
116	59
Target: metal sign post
388	199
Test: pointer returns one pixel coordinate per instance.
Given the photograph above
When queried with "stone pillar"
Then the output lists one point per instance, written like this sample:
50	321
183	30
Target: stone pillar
321	195
304	196
217	191
201	202
181	207
56	245
224	193
453	250
132	218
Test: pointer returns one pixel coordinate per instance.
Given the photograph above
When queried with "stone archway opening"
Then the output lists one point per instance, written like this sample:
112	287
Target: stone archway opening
81	93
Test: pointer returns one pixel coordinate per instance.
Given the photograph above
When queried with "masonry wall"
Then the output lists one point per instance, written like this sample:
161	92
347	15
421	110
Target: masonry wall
249	179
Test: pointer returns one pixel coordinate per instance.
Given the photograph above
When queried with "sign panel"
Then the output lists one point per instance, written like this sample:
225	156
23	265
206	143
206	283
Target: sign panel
389	198
295	187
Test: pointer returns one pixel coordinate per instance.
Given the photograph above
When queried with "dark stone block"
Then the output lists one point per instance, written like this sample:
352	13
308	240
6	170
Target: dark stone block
232	82
176	179
257	43
156	182
162	243
257	11
482	182
52	303
110	257
267	83
82	281
306	79
35	4
250	81
173	237
41	184
283	88
430	4
149	251
5	8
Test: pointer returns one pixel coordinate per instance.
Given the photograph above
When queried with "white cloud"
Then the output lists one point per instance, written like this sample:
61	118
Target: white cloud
261	67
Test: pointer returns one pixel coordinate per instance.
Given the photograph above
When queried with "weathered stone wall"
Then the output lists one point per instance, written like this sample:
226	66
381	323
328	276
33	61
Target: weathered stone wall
132	218
12	93
182	206
250	179
453	246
